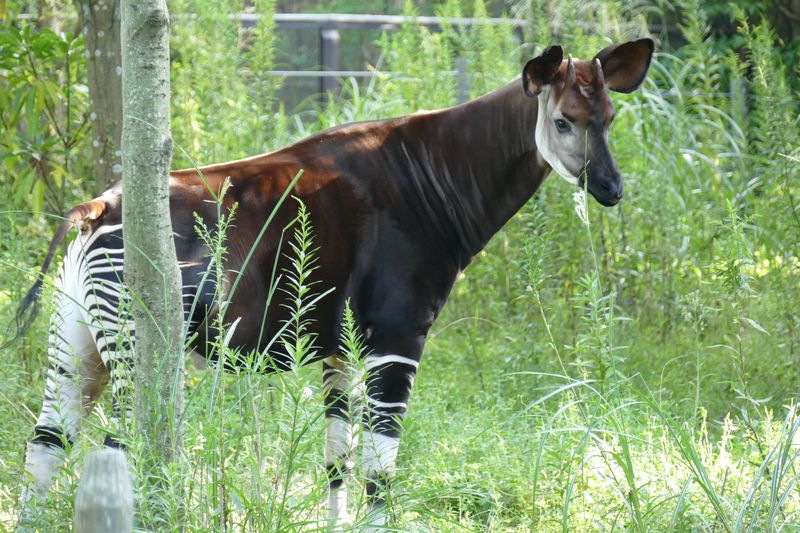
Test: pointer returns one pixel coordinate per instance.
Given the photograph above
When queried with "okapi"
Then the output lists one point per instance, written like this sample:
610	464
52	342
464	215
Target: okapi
399	208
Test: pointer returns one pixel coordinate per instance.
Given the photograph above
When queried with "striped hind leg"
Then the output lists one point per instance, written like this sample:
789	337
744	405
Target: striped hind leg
115	346
339	436
111	326
74	379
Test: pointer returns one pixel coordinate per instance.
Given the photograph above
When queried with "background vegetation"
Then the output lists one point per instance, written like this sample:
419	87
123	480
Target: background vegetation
637	372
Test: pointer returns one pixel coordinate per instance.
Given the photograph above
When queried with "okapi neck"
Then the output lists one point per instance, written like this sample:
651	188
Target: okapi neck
481	157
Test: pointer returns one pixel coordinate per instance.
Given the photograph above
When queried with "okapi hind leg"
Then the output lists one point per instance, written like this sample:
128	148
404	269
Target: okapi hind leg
108	307
339	436
75	377
117	356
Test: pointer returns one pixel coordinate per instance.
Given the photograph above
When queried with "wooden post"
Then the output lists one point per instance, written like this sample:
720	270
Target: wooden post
462	84
329	57
104	501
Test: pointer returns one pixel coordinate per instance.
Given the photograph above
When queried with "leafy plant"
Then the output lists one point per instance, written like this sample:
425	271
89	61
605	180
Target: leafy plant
43	113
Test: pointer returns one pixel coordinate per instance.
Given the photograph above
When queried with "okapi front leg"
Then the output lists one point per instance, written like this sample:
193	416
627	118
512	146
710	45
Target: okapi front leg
339	437
388	387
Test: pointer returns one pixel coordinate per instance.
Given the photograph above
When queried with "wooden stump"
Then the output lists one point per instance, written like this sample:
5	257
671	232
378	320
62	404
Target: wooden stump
104	501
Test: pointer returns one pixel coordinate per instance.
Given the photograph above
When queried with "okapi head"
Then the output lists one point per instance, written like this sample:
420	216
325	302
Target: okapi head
575	111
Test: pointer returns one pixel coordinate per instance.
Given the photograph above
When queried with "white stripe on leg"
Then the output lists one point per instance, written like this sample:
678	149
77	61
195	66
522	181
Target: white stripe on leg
42	462
337	505
380	453
71	380
339	437
339	441
379	458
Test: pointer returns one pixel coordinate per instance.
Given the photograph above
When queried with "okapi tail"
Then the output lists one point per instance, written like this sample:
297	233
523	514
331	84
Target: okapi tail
29	306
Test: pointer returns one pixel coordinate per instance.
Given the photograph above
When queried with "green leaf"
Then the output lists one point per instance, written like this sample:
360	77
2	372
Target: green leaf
755	325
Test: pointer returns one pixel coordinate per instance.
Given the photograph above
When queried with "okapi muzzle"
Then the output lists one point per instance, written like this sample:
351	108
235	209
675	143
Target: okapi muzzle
601	176
575	111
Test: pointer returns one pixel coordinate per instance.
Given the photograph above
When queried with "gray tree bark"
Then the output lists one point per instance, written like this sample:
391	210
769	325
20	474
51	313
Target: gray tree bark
100	21
151	268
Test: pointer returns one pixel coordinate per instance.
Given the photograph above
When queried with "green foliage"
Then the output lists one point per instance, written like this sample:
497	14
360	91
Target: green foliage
42	112
223	107
421	63
699	50
298	341
772	129
488	50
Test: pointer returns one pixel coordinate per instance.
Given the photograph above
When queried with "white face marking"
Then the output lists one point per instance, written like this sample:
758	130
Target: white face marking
545	142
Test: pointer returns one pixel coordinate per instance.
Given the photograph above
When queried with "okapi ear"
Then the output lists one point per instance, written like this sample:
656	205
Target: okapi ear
540	70
625	65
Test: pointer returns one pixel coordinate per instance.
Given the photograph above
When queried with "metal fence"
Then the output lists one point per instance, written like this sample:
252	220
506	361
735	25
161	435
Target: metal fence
328	25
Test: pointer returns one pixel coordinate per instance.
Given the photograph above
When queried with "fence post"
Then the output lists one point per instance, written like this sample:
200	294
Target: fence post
104	500
329	56
462	82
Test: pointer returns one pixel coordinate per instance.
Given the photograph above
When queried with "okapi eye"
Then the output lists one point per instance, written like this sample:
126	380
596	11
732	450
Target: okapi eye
562	125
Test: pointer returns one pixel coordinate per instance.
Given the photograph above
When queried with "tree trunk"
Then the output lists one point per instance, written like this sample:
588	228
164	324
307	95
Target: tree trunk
151	268
100	27
785	16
